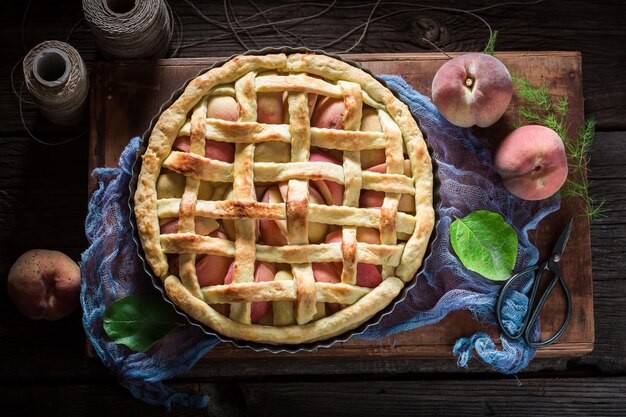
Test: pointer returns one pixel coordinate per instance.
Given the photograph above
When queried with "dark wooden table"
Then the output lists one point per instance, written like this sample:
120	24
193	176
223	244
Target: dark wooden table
43	197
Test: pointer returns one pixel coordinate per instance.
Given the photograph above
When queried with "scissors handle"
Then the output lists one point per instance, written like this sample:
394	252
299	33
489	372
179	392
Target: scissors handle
532	314
530	323
503	292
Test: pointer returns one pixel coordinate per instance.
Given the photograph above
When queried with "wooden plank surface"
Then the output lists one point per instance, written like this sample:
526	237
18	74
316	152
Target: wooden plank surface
126	95
566	397
43	194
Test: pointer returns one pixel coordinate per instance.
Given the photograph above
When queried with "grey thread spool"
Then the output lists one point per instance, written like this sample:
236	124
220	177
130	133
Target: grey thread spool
56	77
130	28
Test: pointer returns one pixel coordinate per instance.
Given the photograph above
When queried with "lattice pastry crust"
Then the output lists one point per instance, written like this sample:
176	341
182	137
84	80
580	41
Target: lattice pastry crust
302	308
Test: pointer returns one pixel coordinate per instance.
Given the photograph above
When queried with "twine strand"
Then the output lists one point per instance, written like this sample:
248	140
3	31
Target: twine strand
234	26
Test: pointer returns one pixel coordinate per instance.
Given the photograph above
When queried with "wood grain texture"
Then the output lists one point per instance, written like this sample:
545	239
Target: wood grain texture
125	96
43	368
601	397
551	25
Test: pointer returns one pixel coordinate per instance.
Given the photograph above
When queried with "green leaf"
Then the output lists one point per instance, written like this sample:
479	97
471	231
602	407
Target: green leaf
139	321
485	244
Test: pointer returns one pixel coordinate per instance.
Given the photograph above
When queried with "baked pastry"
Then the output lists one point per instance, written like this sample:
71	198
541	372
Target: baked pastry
285	199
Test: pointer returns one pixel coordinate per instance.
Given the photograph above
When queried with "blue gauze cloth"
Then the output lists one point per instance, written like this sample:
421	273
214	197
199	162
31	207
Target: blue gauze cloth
111	268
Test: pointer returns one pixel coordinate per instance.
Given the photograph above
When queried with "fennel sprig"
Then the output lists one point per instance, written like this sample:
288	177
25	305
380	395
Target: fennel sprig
539	107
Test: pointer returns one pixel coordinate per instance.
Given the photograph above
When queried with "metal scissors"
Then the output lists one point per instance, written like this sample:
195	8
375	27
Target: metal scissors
532	314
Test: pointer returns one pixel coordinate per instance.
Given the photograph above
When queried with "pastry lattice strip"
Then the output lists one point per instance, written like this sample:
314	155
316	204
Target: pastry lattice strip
245	133
205	169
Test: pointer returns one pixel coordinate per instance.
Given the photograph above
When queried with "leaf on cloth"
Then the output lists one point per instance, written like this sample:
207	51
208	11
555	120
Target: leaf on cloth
139	321
485	244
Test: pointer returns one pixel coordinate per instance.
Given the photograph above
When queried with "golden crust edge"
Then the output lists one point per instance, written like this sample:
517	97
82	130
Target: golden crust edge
165	132
345	320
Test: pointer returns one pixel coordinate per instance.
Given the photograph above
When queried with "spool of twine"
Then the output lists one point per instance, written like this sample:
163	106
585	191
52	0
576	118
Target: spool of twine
130	28
56	77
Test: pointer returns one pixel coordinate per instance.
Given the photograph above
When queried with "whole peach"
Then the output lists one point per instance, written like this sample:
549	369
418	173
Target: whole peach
44	284
472	89
532	163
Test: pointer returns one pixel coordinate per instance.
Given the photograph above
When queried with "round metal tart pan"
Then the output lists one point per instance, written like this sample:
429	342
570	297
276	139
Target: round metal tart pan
284	348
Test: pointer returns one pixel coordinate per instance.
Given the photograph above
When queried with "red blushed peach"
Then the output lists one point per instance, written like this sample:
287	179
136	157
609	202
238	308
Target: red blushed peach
263	271
203	226
221	151
213	149
222	107
367	275
44	284
324	272
331	191
532	163
317	231
328	113
472	89
182	143
274	232
212	269
375	199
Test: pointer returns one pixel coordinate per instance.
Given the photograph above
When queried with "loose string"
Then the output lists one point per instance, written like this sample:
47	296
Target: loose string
234	26
171	28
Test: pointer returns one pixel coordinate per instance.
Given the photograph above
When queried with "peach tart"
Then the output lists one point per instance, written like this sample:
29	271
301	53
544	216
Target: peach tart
285	198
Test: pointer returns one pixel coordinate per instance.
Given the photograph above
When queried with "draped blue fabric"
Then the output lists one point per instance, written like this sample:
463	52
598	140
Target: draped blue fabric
111	269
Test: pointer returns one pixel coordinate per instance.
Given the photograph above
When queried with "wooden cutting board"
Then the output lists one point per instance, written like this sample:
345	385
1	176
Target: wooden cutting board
125	95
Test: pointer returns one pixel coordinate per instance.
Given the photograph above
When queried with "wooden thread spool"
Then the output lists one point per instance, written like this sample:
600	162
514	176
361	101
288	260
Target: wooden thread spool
130	29
51	67
119	7
56	77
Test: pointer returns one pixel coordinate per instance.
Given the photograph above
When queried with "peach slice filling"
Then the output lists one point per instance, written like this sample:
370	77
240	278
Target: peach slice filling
375	199
213	149
331	191
325	112
263	271
367	275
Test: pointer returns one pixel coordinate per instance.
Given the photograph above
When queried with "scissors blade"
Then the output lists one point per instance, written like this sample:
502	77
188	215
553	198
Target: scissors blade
559	248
